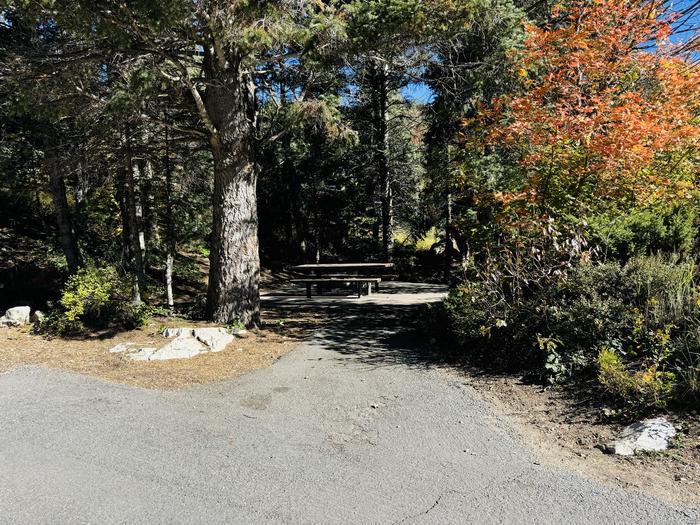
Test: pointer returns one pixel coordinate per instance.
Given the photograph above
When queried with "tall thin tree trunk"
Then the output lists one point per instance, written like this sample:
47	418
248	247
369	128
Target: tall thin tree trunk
234	269
120	190
134	213
150	215
170	244
317	240
64	221
137	195
448	235
382	145
448	216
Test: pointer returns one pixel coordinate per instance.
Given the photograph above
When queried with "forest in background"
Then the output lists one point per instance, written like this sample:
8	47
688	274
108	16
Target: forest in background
540	157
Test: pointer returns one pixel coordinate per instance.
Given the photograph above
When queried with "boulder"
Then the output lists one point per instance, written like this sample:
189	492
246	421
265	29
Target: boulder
142	354
121	348
16	316
179	348
185	343
177	332
215	338
650	435
37	316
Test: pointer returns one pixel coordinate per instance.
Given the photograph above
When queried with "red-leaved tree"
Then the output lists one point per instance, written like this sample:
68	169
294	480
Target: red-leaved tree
605	110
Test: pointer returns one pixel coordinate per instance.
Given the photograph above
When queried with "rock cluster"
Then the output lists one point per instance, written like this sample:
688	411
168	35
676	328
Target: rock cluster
185	343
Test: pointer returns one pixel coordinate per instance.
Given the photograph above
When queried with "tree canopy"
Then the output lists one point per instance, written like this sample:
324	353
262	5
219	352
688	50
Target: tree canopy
148	135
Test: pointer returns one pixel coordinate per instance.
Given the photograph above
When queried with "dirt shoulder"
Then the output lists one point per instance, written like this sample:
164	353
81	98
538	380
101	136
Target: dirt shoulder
89	355
564	428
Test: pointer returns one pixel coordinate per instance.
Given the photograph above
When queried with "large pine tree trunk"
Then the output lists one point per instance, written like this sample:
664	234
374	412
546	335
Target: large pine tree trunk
234	269
64	221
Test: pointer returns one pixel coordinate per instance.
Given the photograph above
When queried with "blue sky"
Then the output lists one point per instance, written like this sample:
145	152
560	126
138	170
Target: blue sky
418	92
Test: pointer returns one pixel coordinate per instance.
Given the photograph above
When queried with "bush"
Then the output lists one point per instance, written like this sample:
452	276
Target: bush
96	297
639	390
646	231
636	327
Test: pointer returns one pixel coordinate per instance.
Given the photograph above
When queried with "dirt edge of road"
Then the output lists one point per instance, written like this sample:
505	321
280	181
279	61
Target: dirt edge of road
565	435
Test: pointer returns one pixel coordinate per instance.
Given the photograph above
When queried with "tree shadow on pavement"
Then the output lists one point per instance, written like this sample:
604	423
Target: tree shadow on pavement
375	334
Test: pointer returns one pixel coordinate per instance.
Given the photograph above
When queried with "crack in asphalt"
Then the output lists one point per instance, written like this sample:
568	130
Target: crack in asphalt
429	509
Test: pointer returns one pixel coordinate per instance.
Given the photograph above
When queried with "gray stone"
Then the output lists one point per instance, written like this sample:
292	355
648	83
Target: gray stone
650	435
185	343
19	315
215	338
177	332
121	348
143	354
179	348
37	316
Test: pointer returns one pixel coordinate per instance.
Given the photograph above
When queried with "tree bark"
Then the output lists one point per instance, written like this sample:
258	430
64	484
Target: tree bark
382	153
448	236
64	220
448	215
135	220
234	269
170	242
123	214
150	215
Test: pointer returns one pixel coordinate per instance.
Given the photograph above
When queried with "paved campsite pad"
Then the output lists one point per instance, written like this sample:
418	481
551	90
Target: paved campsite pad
315	438
354	426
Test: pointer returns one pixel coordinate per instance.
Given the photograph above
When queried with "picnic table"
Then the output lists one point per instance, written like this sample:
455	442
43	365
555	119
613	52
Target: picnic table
359	274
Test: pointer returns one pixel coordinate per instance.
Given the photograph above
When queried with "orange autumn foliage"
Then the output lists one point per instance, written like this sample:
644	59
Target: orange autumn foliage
604	110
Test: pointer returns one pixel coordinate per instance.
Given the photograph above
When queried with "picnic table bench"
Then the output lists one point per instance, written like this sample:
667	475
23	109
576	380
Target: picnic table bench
341	273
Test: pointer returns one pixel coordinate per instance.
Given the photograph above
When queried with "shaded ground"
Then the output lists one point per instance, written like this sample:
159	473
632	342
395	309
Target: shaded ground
361	424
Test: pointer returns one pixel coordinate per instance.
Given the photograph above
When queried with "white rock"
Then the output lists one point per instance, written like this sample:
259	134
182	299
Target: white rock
179	348
37	316
16	316
215	338
177	332
185	343
121	348
142	354
650	435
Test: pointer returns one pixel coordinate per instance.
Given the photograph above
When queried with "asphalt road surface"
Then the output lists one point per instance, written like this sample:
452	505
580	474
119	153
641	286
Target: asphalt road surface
356	426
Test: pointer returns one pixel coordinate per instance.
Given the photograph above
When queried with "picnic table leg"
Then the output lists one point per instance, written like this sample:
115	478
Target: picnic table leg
359	289
308	290
369	288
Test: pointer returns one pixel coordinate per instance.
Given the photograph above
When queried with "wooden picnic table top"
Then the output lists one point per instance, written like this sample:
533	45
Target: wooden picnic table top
343	266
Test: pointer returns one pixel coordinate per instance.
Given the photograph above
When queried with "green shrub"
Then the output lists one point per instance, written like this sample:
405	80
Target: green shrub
88	292
95	297
646	231
636	327
685	362
640	390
